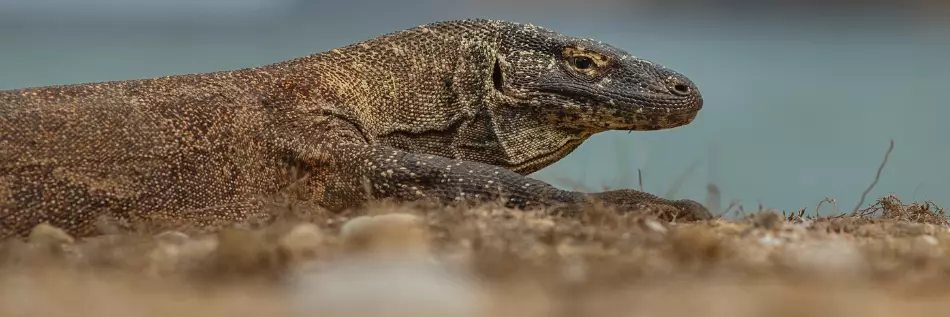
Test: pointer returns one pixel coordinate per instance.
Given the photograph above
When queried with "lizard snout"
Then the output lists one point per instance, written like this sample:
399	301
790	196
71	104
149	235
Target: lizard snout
679	85
680	89
683	89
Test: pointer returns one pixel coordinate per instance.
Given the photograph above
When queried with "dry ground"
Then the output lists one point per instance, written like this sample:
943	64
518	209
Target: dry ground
402	260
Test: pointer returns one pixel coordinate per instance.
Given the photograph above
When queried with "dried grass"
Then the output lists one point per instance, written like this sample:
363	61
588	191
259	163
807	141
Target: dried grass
889	259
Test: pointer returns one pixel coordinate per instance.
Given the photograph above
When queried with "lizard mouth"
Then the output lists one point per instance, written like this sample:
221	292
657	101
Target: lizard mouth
640	102
640	112
657	121
652	114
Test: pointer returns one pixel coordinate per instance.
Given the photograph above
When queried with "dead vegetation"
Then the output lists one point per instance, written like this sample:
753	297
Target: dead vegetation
489	261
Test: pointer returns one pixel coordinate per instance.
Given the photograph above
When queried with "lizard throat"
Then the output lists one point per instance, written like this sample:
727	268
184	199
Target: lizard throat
531	154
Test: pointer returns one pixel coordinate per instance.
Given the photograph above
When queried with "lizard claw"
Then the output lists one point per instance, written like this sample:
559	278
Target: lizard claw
629	200
691	210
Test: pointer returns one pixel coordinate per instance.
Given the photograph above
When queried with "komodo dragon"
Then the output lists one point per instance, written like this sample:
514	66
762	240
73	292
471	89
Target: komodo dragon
449	111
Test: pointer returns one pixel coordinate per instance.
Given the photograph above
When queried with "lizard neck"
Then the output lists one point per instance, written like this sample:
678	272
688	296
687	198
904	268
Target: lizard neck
436	98
425	98
529	144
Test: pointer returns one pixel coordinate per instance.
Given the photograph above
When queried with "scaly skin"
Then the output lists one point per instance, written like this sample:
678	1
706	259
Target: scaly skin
458	110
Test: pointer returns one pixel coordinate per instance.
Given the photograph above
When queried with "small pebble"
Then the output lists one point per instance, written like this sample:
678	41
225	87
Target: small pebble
302	244
385	234
175	249
46	234
542	223
654	226
929	239
172	237
243	253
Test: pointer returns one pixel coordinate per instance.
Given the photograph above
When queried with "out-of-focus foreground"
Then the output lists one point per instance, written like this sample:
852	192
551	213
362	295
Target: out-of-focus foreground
415	260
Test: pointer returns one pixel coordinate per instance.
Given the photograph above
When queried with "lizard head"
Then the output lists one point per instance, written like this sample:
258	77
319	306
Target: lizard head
587	85
499	92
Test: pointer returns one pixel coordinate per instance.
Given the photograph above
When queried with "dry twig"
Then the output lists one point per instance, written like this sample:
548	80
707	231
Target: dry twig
876	177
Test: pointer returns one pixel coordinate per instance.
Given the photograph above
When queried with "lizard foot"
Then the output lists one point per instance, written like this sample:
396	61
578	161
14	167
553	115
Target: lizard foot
629	200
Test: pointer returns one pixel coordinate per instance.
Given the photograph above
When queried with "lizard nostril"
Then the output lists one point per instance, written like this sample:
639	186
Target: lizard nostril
681	89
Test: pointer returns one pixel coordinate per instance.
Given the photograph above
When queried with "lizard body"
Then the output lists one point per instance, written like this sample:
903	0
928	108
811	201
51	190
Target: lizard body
455	110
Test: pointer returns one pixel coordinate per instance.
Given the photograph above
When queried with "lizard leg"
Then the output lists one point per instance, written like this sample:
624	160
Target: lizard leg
387	172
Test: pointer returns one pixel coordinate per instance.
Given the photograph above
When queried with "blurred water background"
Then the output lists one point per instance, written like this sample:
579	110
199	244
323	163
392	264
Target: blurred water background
801	97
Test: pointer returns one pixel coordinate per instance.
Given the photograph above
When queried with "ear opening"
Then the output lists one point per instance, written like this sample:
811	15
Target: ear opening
496	76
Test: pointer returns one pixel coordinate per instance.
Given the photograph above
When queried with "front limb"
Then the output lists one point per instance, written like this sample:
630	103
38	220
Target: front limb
347	170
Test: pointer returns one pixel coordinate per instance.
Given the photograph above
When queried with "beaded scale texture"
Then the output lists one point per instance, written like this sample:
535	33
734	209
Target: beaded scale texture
451	111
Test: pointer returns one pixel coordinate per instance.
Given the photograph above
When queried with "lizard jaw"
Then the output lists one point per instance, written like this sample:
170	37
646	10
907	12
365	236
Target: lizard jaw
655	121
664	117
597	116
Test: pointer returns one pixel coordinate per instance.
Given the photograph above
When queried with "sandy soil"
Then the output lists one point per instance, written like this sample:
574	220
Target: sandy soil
414	260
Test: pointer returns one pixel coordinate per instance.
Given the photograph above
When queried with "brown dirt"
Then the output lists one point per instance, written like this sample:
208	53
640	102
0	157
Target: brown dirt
891	259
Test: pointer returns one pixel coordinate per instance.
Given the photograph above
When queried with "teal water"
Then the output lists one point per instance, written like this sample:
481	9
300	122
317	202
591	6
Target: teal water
795	110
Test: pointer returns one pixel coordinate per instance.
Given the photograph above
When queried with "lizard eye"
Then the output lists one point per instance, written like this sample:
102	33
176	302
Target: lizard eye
582	62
